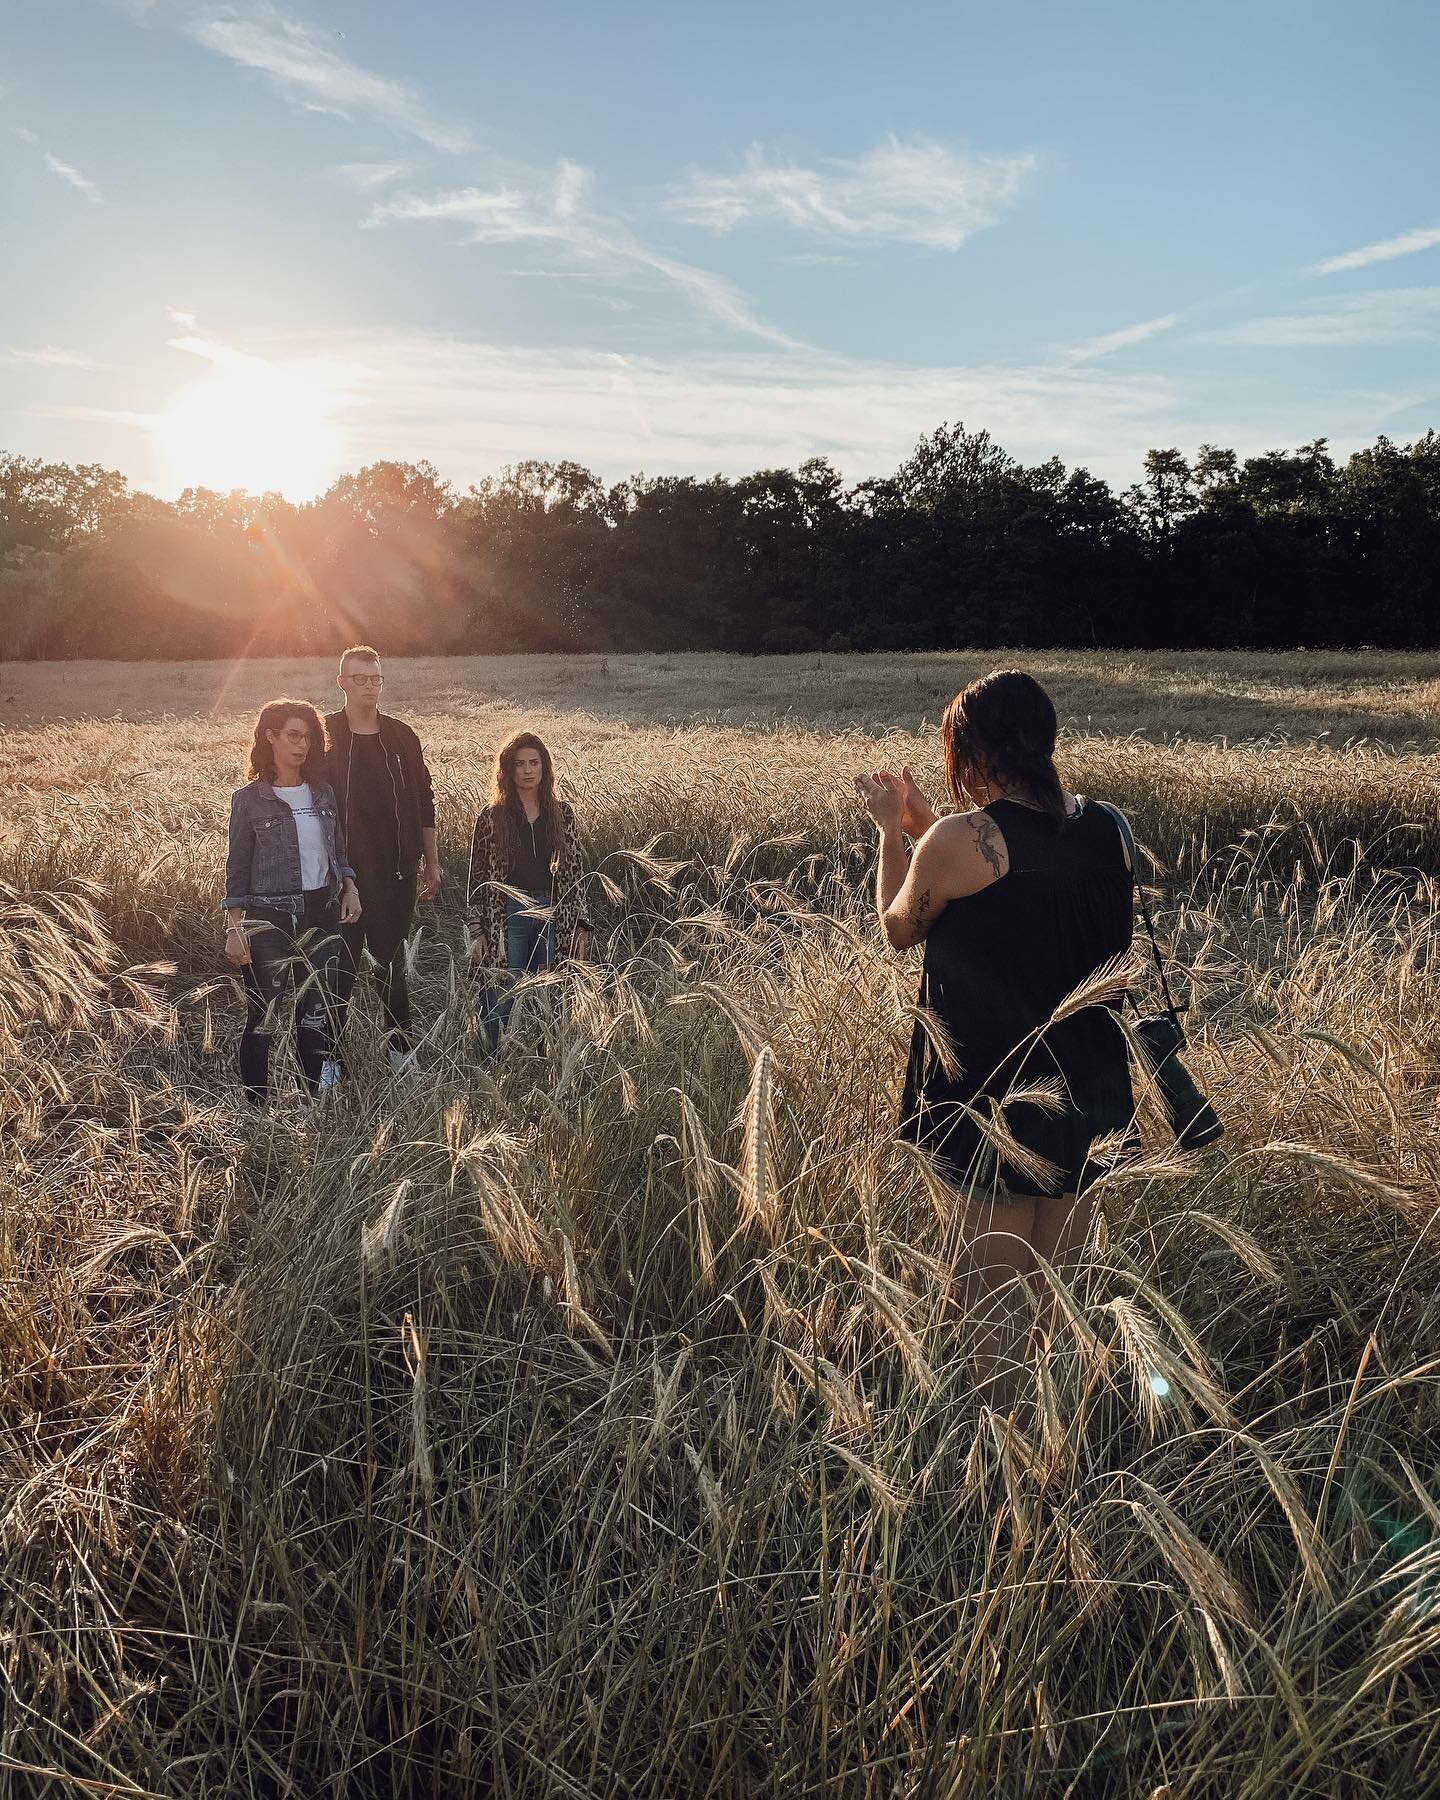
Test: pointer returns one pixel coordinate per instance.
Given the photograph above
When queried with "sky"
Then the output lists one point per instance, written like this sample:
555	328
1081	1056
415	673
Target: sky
258	243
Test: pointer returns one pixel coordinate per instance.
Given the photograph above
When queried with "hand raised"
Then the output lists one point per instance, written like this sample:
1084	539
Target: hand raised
879	793
917	814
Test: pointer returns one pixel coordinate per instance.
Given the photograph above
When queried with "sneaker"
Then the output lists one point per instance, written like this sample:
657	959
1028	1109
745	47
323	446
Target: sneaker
403	1062
330	1073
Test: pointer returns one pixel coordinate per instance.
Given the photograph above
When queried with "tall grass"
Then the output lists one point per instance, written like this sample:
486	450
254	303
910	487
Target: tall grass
141	807
600	1422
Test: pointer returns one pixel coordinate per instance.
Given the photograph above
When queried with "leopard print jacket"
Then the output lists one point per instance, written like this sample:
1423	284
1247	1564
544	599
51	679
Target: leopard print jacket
485	894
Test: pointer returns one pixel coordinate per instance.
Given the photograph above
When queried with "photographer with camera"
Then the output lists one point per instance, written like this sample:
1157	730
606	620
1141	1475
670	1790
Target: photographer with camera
1024	903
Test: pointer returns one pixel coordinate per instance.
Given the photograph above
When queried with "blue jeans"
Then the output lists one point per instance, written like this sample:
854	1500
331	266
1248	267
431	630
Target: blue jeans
529	948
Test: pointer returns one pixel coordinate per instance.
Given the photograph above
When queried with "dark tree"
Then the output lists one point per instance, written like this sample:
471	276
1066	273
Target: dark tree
962	545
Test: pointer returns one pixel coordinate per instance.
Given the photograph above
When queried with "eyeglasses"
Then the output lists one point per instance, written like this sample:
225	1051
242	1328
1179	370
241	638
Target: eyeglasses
367	680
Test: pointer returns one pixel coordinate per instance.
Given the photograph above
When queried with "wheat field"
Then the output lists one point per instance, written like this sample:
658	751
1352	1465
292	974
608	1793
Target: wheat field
599	1421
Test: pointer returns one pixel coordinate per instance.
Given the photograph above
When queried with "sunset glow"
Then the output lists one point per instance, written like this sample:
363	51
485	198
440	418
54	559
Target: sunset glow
254	424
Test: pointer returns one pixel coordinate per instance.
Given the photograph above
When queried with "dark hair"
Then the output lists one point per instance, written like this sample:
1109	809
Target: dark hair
505	802
1002	728
363	651
272	718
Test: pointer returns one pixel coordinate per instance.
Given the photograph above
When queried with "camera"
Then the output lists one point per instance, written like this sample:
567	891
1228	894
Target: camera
1192	1118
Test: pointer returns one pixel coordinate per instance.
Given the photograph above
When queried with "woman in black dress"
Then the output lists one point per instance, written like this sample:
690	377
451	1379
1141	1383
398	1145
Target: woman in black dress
1024	902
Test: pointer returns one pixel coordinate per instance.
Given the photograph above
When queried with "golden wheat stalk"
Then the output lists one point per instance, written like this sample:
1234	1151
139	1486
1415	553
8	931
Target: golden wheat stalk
757	1187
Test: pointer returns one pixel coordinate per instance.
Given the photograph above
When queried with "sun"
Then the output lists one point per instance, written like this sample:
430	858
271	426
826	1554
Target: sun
253	424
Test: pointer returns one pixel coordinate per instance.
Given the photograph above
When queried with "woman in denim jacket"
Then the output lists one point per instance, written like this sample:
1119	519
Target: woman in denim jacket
288	885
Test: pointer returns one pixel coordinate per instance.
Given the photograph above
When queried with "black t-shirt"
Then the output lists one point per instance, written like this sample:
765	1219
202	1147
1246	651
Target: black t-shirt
371	828
531	854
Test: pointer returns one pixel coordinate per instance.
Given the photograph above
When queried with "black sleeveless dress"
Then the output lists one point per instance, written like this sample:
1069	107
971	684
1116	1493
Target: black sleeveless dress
997	964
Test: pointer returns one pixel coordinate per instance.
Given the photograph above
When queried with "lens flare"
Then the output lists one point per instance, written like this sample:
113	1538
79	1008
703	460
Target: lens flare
253	424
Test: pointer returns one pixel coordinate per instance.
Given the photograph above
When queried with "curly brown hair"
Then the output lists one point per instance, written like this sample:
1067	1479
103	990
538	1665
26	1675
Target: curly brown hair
505	802
1003	729
273	718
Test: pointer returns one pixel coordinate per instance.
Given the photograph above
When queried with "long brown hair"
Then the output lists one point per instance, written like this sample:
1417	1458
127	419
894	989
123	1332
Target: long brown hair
1003	728
272	718
505	806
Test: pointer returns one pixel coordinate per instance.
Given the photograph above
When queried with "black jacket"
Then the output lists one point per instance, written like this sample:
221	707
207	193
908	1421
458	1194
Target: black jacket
411	789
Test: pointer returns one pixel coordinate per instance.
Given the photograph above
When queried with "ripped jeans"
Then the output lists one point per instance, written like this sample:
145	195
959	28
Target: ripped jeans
304	950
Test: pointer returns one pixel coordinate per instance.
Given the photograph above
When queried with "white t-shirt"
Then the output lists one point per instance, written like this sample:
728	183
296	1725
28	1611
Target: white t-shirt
314	857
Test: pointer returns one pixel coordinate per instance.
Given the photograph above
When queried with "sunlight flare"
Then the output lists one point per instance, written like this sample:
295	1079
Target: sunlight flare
255	424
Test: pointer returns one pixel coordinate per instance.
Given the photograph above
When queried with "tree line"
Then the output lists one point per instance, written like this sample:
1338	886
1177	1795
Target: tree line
962	545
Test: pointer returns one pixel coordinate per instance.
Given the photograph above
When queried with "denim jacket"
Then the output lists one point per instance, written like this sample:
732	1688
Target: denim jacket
262	865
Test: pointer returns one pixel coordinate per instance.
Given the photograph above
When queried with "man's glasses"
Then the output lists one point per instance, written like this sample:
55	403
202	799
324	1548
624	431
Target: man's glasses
367	680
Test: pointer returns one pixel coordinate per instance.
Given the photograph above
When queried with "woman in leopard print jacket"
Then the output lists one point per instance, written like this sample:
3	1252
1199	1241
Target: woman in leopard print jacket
524	908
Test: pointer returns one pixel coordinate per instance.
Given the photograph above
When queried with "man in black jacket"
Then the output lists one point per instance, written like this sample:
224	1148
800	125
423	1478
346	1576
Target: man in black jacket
387	806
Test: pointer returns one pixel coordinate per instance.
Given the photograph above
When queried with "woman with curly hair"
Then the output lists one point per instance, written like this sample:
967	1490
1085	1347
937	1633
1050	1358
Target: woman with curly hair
523	894
288	887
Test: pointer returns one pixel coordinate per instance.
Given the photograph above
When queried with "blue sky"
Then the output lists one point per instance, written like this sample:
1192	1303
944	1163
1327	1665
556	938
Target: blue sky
266	242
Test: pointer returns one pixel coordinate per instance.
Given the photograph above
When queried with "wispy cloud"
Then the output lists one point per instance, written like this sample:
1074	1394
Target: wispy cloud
473	407
96	415
1111	341
367	175
911	191
1383	316
1423	237
552	212
64	171
48	357
305	65
492	215
68	172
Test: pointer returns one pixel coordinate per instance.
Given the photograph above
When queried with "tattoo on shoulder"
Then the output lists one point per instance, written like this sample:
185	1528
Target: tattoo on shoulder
990	842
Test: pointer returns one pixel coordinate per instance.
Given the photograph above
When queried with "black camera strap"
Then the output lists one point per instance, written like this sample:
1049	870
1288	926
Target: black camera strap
1128	838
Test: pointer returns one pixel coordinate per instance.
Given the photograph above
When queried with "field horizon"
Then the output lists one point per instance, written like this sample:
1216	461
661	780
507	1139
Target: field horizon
1386	698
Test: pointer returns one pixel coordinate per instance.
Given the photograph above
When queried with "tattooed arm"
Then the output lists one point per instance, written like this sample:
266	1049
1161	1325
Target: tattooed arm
892	870
956	857
883	797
